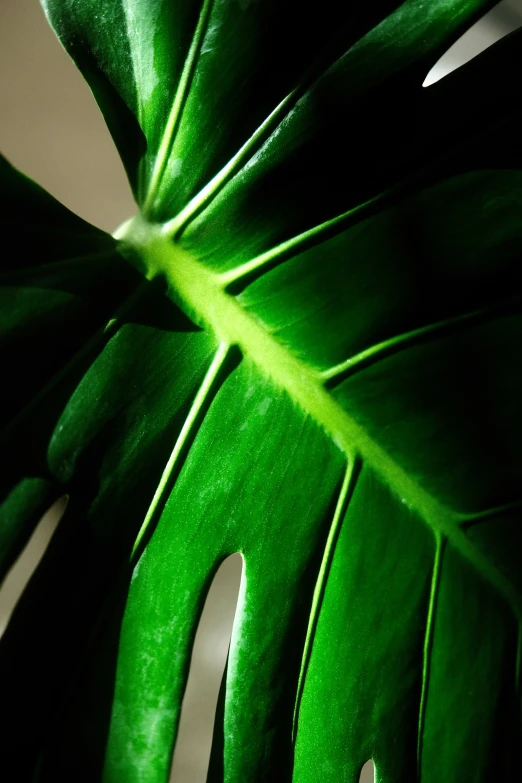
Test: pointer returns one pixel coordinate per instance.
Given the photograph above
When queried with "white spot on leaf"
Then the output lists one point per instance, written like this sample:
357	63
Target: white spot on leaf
264	406
174	168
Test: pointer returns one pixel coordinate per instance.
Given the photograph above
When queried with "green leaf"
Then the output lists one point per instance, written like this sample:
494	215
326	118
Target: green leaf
310	359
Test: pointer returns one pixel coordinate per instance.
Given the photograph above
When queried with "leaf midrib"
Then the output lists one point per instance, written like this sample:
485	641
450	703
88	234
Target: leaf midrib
201	294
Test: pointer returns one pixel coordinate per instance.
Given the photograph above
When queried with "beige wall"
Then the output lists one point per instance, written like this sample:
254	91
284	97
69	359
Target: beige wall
50	126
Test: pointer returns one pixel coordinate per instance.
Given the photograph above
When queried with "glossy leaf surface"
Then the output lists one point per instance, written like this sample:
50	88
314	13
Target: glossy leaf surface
320	372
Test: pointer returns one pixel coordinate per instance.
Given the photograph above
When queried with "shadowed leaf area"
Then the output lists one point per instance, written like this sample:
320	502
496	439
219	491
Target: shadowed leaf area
304	348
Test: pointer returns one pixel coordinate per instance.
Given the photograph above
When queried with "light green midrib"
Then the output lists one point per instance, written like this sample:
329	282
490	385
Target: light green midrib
201	295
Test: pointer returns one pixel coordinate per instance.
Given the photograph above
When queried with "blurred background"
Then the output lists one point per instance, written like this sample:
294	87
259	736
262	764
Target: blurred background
52	130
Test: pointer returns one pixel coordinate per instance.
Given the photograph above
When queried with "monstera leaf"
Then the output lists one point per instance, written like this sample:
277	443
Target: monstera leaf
305	348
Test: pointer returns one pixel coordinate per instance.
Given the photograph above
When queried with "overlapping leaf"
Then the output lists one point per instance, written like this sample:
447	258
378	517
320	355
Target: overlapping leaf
329	386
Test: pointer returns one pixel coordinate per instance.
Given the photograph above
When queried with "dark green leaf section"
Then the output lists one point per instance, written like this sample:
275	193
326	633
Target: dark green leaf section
140	58
447	394
474	643
425	261
98	392
160	69
61	280
499	536
56	233
371	105
253	92
363	686
360	449
353	696
108	450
